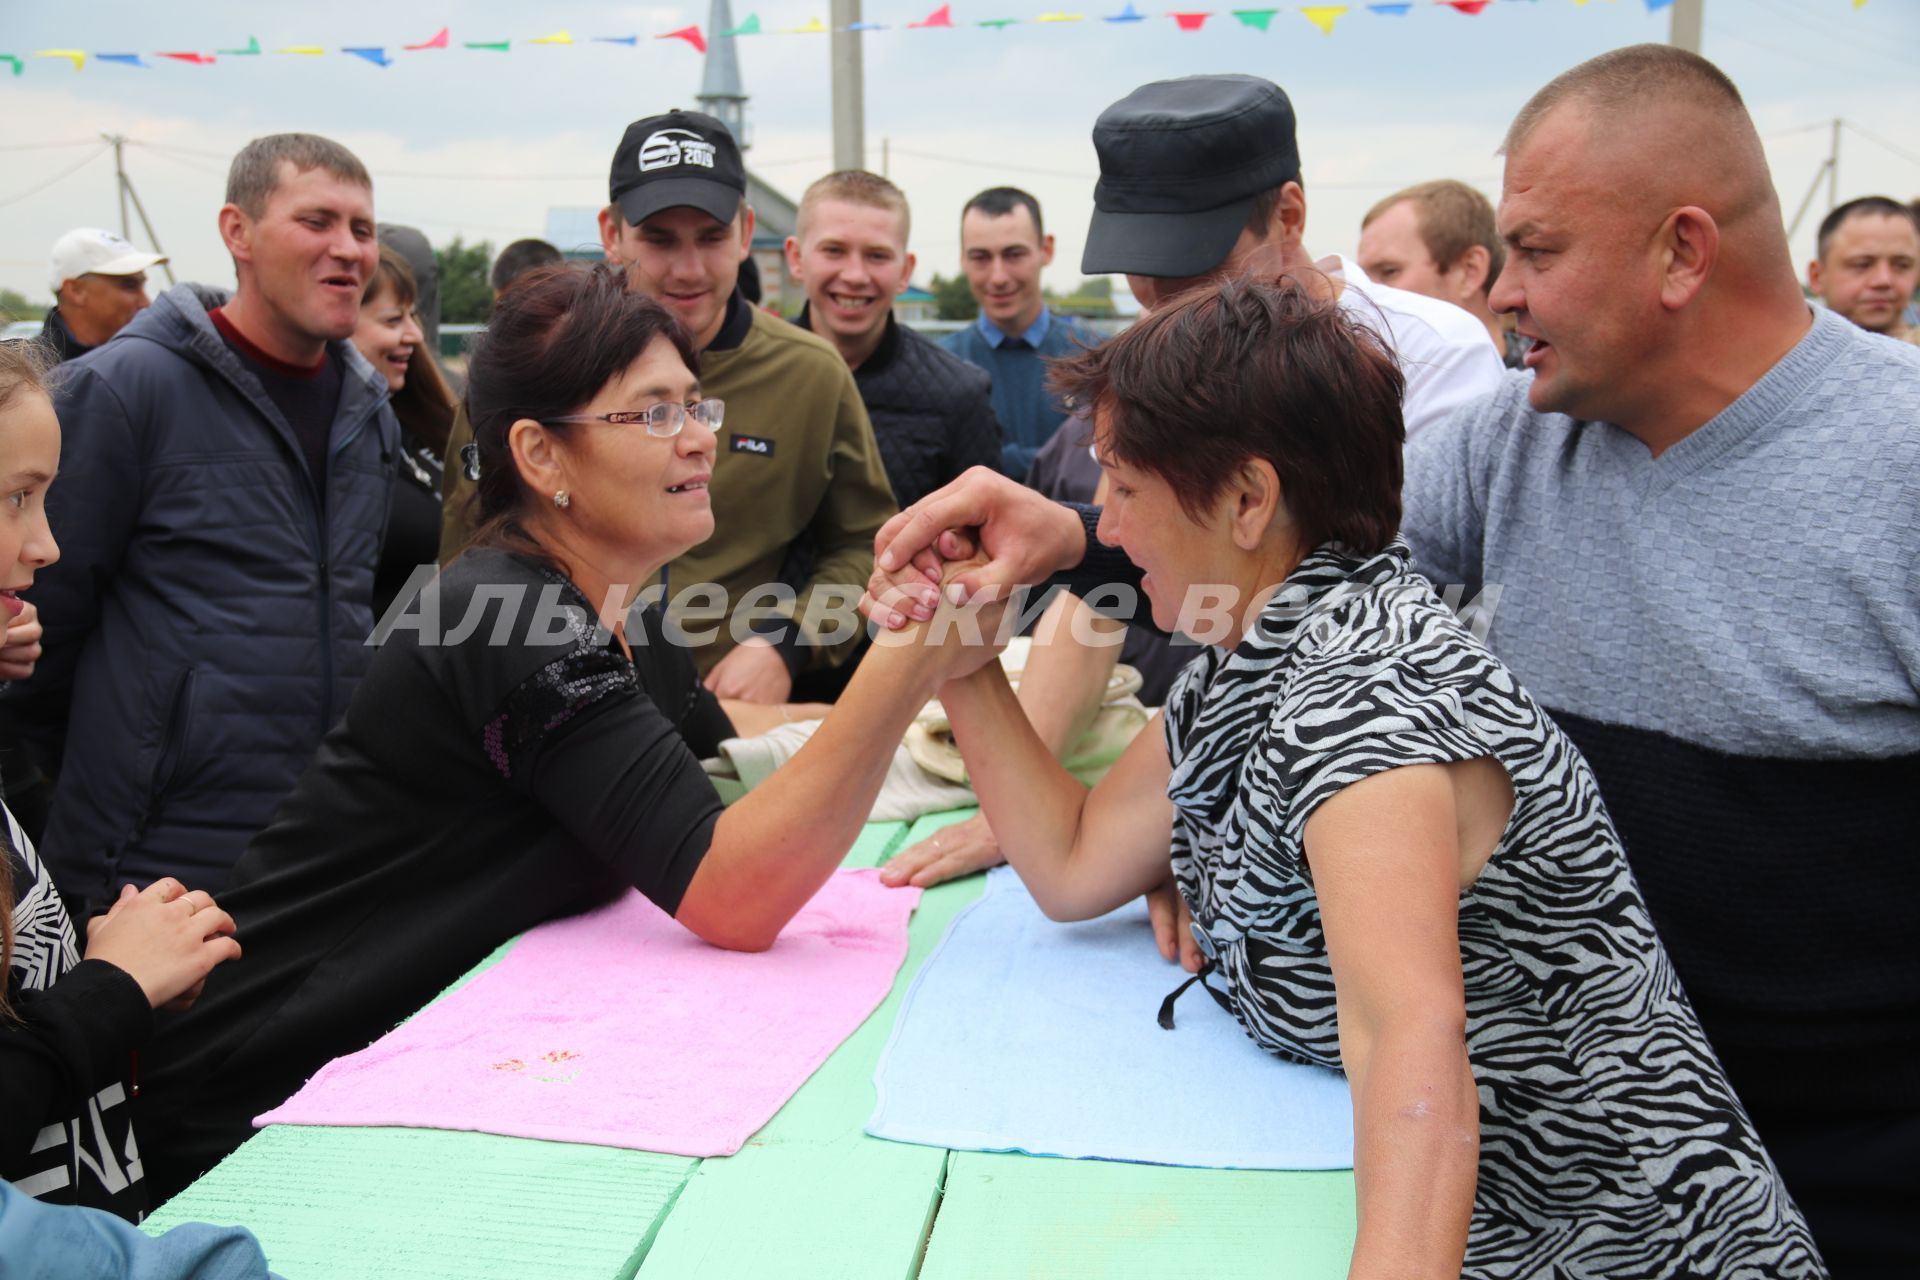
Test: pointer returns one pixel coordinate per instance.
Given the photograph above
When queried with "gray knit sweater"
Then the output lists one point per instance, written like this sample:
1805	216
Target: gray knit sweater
1731	633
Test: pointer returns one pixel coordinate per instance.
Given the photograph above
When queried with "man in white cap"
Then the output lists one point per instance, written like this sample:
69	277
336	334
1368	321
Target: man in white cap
99	282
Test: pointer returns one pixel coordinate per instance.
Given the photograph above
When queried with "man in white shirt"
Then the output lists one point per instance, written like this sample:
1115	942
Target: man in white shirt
1200	180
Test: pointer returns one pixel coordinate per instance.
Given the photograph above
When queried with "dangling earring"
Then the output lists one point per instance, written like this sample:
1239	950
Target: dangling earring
562	500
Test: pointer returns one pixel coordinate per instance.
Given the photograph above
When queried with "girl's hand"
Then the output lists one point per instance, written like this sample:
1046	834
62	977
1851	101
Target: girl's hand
164	938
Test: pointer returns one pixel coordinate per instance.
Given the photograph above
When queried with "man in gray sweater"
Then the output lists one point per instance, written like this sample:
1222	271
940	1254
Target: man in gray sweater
1702	516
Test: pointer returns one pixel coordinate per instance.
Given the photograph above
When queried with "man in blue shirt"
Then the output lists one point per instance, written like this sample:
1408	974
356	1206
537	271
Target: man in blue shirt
1004	247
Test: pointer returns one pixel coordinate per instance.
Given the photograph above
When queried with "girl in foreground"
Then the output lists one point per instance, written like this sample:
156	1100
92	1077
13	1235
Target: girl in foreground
516	752
1397	865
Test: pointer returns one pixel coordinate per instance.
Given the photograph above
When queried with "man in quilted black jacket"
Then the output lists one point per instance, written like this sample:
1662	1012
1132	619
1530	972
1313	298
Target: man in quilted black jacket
932	412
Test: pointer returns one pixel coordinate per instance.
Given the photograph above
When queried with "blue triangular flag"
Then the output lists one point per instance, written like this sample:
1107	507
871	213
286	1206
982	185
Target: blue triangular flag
378	57
634	40
866	26
130	59
1128	14
1398	10
1654	6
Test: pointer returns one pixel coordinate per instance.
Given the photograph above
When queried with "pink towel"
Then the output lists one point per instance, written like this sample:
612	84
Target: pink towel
620	1028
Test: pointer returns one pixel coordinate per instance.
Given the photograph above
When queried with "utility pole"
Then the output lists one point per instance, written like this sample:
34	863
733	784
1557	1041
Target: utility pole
124	184
1833	168
886	158
849	97
1687	19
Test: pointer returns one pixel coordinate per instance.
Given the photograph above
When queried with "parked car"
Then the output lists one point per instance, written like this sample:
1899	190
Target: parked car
18	329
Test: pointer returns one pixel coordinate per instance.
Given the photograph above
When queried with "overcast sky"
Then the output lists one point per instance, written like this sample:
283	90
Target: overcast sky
480	144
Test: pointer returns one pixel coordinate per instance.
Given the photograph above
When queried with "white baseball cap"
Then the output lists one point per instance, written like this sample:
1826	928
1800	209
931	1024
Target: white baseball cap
91	251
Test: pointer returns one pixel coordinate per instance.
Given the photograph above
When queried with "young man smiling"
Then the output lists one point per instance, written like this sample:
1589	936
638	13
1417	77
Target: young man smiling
222	498
798	489
932	412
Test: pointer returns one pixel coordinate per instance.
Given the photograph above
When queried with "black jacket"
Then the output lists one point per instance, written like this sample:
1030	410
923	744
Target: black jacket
60	339
932	411
207	619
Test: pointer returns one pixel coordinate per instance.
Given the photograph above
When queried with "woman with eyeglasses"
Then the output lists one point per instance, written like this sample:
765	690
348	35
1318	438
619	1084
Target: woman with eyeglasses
523	746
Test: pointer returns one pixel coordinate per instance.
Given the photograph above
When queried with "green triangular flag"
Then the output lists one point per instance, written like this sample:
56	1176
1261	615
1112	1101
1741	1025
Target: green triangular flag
997	23
502	46
1255	18
751	27
253	47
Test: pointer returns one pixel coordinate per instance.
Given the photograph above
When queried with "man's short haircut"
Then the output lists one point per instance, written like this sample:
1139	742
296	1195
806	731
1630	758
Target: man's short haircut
519	258
998	202
1863	207
1453	218
1622	81
255	172
1255	369
856	186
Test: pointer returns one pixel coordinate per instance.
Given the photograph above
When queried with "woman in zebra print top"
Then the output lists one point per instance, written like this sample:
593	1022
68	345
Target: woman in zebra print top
1396	863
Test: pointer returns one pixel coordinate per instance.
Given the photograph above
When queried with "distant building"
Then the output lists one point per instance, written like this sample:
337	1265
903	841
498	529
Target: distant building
915	306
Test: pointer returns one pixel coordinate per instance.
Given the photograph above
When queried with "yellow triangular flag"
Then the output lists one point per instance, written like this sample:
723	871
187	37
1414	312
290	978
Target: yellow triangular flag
813	28
1061	17
1323	16
306	50
558	37
75	56
1859	4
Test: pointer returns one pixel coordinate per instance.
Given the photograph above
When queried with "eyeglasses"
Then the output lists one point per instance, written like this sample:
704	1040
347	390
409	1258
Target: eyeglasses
661	420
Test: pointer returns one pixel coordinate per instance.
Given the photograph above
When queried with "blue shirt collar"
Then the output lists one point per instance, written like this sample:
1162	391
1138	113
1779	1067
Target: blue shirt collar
1033	336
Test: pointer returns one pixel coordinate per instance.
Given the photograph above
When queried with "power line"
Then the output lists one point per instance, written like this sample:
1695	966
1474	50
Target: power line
67	172
50	146
1882	142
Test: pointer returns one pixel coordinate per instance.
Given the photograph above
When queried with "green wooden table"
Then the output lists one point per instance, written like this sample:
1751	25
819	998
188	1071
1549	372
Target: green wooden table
810	1195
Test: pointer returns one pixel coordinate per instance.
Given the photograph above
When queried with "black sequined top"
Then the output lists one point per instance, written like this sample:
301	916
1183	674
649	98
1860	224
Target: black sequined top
502	763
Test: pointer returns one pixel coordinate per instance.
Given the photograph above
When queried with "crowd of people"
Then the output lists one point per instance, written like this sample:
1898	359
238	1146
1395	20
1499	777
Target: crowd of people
1530	603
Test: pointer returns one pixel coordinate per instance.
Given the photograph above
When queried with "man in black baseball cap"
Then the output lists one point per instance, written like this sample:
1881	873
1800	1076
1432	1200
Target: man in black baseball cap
1200	180
798	487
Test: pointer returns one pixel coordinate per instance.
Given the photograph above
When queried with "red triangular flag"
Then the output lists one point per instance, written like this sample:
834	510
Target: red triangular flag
1468	6
941	17
438	42
690	34
1191	21
197	59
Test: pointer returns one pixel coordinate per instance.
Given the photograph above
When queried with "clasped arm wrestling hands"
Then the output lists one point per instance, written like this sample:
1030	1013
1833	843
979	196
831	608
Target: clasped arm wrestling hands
1019	538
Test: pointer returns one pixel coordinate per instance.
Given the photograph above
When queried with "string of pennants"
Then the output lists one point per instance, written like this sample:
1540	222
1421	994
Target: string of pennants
1322	16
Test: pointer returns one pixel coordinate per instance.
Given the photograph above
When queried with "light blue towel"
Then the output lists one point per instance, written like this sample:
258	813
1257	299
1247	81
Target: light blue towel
1020	1034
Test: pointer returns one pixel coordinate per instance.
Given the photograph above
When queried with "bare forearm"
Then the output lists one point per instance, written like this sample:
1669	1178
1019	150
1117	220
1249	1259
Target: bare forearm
1066	677
778	844
1416	1155
1033	804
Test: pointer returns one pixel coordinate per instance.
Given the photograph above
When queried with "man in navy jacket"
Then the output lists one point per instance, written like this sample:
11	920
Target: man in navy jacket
220	506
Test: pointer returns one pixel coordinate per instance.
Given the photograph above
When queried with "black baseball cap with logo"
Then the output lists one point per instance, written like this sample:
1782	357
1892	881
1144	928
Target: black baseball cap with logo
1180	164
681	158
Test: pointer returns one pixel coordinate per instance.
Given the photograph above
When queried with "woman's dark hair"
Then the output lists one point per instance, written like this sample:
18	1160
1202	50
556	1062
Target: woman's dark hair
555	338
424	404
1256	369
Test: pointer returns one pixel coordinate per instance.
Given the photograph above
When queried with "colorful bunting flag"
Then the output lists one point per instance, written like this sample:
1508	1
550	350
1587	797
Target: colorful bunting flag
19	67
439	41
1324	16
1128	14
1191	21
626	40
1394	10
558	37
195	59
1258	19
814	27
1061	17
998	24
751	27
1468	7
128	59
75	56
304	50
866	26
251	51
941	17
376	55
690	34
497	46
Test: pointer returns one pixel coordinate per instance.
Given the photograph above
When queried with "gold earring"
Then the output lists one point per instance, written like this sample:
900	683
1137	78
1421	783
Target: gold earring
562	500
